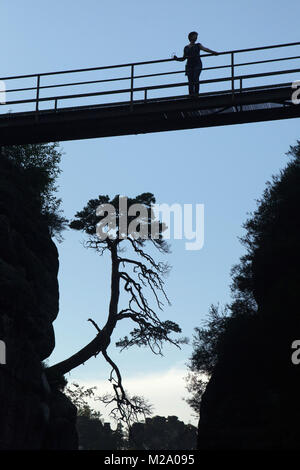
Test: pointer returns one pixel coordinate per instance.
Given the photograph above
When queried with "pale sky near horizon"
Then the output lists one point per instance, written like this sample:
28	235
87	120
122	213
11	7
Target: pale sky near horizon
224	168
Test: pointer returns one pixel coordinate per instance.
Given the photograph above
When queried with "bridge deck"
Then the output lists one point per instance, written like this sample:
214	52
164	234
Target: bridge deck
156	115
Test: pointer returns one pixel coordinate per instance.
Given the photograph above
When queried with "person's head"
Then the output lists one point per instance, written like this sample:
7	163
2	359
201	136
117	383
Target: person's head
193	36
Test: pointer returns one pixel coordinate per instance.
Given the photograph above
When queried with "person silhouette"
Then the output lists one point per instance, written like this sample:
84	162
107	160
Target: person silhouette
193	66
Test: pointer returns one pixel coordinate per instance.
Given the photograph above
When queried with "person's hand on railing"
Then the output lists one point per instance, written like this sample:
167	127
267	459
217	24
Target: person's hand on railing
179	59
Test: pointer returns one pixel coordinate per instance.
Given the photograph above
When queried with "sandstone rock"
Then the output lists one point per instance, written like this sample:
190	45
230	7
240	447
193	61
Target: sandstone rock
28	306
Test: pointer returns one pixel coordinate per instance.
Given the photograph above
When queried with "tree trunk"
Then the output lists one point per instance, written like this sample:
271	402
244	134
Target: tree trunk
102	340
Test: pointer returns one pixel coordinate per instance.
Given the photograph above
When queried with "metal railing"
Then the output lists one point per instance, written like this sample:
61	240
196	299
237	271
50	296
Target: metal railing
40	86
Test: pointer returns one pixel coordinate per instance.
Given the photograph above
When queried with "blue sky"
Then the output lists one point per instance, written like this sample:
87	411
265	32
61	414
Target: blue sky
225	168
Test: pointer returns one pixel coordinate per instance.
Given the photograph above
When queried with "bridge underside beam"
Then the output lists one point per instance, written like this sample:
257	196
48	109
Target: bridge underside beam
157	115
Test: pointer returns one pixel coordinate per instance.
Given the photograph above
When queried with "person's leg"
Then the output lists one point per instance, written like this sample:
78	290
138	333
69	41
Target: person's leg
191	83
197	83
196	80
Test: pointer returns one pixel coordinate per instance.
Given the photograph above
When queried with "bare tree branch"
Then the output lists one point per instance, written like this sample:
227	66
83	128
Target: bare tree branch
127	409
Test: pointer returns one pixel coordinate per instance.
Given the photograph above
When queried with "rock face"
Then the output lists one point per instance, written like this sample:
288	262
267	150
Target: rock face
29	410
252	399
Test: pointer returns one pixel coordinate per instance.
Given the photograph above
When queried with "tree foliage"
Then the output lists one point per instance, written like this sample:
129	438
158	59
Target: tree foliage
250	277
79	395
40	162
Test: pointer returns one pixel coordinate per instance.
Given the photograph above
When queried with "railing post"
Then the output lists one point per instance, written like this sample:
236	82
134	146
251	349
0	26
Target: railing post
241	91
131	87
232	73
37	92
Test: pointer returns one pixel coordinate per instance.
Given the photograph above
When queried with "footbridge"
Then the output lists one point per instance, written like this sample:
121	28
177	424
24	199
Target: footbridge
238	86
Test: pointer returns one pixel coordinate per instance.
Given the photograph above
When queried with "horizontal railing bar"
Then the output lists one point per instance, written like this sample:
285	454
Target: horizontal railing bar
144	62
85	95
236	51
265	61
59	72
66	84
266	74
91	82
150	75
152	87
124	90
219	92
120	103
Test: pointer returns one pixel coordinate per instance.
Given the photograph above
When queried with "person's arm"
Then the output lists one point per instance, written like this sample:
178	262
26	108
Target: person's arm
206	49
181	59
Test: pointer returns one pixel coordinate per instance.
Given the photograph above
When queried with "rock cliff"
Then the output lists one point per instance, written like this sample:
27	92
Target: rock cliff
252	398
33	415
